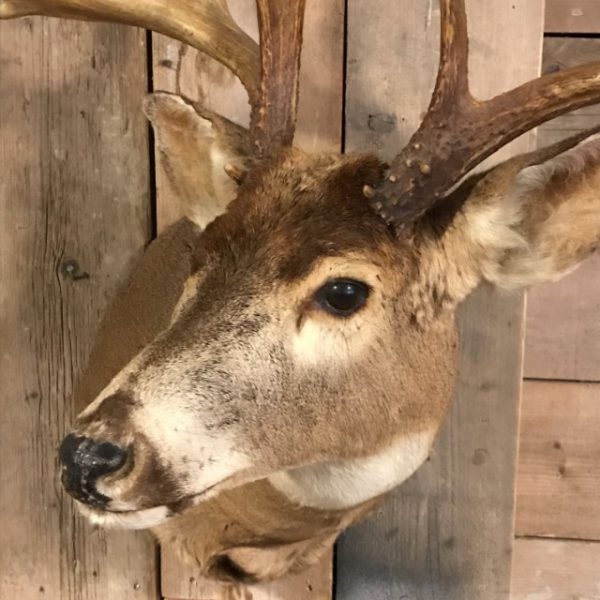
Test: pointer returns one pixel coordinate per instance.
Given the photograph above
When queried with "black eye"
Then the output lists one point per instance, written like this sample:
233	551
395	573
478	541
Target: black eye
342	297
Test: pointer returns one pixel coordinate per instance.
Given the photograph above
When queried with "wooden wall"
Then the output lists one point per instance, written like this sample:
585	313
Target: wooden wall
74	215
557	551
75	211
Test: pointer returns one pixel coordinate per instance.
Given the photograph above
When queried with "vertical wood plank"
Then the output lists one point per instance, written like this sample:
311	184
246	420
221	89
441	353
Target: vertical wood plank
447	533
73	187
180	69
185	71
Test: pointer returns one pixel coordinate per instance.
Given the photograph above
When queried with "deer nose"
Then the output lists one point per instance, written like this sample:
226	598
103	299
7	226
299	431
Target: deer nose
84	461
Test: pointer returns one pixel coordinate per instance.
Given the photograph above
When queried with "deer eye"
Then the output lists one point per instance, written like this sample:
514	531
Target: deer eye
342	297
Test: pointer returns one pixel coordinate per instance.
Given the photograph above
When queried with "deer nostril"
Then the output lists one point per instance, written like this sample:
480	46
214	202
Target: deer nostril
84	461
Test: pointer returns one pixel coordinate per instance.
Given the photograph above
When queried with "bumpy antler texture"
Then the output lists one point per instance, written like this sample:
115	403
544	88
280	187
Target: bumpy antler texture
459	131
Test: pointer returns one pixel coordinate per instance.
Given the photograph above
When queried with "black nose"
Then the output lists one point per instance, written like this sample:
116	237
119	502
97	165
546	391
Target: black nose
84	461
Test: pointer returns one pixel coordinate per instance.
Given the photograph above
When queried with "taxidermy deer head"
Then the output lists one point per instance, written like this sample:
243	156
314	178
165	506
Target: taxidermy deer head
286	356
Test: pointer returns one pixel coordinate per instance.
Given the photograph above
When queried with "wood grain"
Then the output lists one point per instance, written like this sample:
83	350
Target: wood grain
555	570
447	533
558	482
73	187
187	72
572	16
314	584
563	328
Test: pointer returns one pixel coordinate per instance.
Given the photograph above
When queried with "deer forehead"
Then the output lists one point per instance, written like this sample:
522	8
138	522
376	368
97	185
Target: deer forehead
286	223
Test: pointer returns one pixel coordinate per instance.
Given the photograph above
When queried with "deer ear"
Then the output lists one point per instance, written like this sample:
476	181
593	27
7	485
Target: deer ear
547	216
518	226
203	154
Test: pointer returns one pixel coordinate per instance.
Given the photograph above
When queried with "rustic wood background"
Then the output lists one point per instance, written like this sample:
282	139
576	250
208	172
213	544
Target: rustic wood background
76	209
557	551
74	213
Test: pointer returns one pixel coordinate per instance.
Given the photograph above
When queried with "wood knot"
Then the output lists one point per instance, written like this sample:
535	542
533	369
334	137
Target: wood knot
381	122
70	269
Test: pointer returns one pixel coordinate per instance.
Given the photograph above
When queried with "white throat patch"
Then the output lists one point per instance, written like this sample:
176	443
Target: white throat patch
343	484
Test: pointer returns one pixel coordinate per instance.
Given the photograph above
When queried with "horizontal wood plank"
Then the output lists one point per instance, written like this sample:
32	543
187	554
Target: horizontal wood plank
563	328
572	16
555	570
558	481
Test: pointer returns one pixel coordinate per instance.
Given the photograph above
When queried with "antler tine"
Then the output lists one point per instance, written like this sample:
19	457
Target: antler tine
459	132
205	24
280	25
452	83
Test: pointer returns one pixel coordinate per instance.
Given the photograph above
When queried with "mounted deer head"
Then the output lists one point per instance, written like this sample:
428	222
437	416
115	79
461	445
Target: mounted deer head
298	351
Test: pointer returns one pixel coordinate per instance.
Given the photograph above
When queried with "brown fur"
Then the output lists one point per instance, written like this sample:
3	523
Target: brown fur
255	517
248	281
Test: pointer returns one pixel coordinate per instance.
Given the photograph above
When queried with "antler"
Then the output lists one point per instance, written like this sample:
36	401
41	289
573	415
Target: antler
280	24
272	83
204	24
459	131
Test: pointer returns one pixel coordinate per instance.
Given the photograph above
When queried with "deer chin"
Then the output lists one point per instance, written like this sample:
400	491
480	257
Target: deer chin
122	515
143	518
127	519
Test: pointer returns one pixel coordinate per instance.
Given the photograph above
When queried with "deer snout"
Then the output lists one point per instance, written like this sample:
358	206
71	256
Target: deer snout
84	461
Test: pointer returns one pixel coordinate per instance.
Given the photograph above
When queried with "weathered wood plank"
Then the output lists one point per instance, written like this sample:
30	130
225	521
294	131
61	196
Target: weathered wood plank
558	481
73	186
572	16
447	533
191	74
563	328
314	584
555	570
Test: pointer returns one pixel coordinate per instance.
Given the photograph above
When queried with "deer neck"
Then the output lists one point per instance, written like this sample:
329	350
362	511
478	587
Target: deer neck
339	485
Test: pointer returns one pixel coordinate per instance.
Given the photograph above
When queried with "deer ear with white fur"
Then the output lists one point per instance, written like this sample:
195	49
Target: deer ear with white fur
203	154
532	219
553	218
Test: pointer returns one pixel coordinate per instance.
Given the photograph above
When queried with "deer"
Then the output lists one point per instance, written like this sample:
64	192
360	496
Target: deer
284	356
